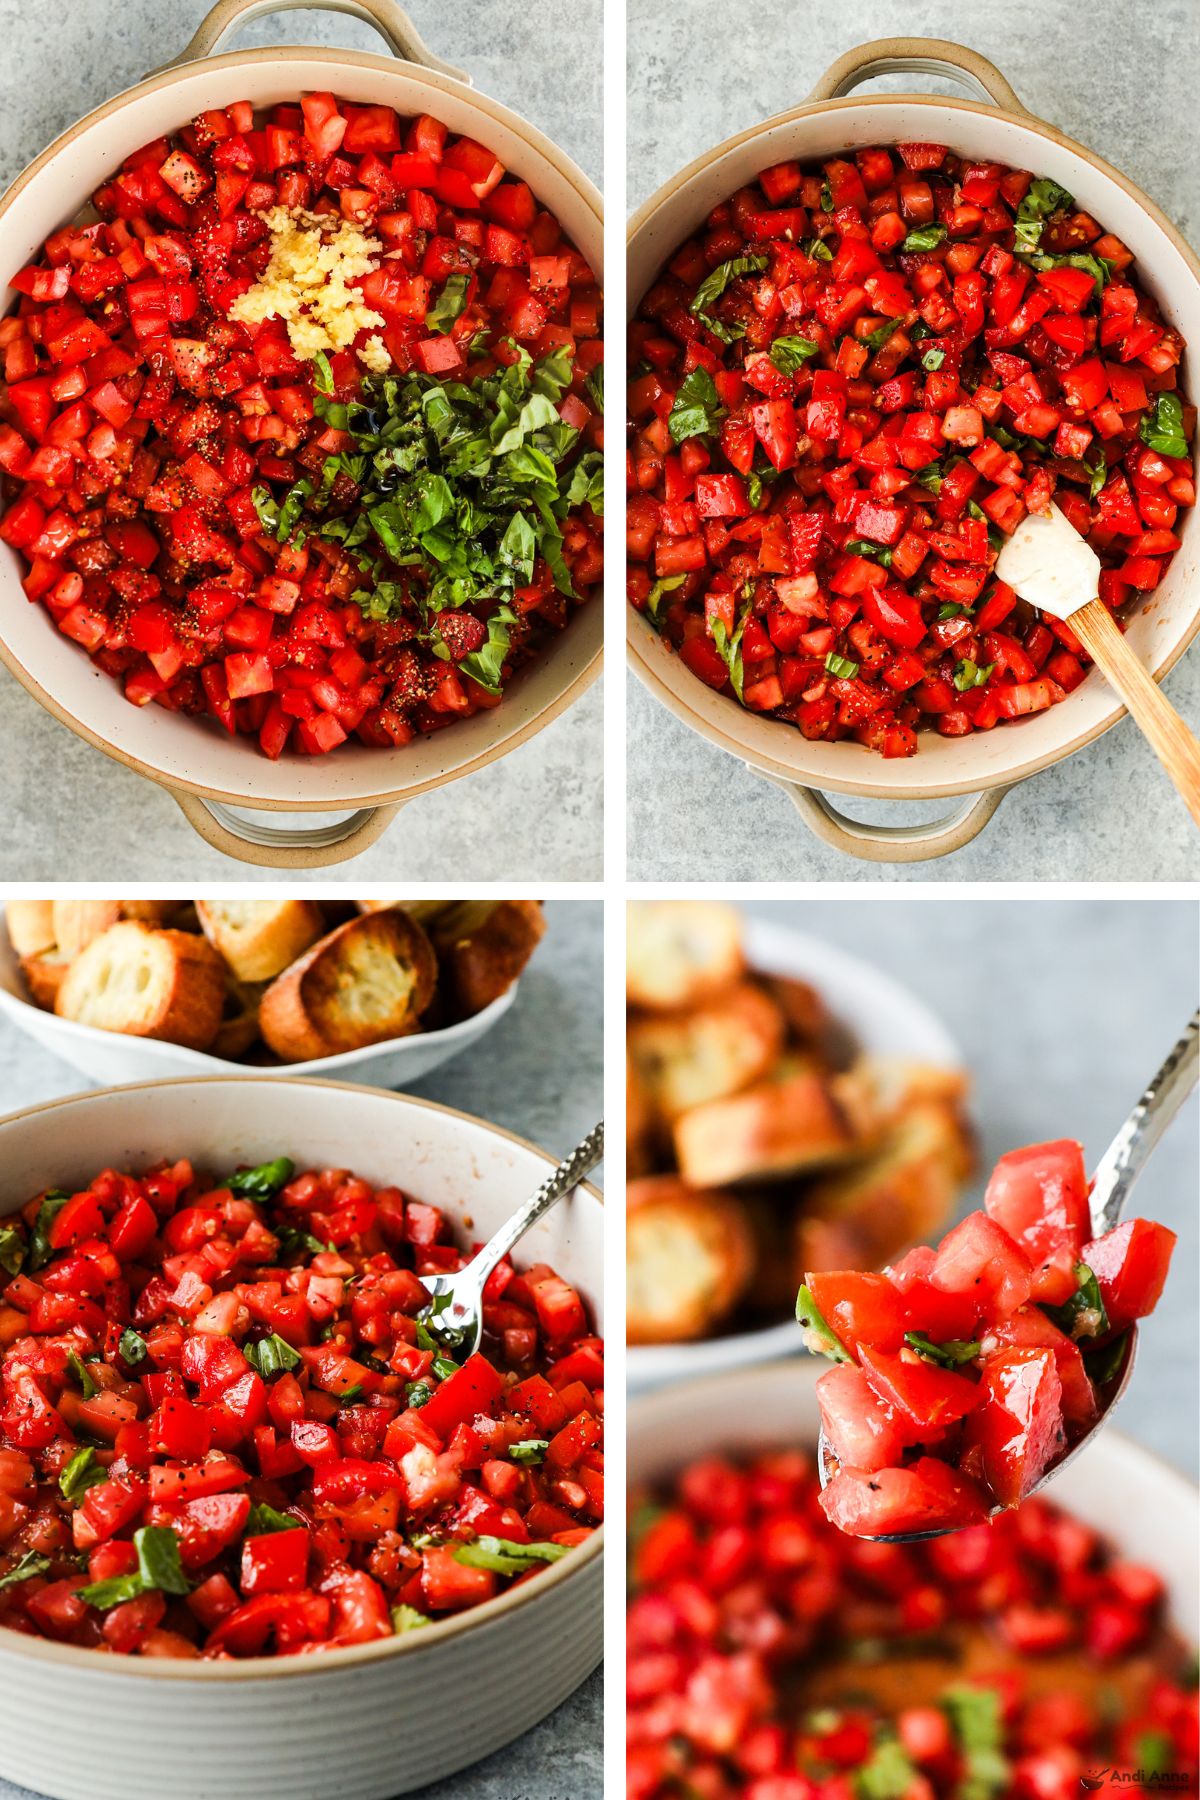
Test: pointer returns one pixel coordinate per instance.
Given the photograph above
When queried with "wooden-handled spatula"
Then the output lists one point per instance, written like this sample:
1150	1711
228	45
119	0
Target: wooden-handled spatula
1051	566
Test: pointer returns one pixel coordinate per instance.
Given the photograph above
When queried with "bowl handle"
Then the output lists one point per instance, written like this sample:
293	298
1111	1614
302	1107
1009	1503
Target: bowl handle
390	21
890	843
917	56
283	847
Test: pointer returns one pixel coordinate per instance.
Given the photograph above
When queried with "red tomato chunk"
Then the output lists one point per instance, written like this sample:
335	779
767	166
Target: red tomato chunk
845	391
963	1372
177	485
772	1657
238	1431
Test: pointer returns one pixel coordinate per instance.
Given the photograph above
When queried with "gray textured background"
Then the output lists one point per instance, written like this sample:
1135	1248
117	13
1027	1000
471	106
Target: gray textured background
1063	1011
1107	72
539	1073
69	810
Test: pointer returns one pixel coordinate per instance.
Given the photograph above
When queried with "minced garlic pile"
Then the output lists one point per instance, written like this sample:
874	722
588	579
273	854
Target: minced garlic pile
307	283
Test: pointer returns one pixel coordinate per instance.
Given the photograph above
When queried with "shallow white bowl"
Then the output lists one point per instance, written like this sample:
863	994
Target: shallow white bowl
364	1723
1144	1507
885	1019
108	1057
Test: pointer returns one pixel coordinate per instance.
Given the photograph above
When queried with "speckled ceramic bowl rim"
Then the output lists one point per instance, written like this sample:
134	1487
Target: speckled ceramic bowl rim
857	780
510	734
260	1668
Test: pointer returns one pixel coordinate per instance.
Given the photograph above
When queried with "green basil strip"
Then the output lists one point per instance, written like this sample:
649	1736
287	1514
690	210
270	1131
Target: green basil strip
819	1338
262	1182
504	1557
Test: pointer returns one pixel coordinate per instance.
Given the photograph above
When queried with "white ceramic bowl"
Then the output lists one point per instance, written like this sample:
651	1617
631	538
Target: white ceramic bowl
364	1723
201	765
107	1057
885	1019
1141	1505
986	763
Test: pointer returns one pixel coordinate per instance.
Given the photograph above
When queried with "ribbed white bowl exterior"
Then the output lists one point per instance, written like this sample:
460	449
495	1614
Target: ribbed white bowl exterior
359	1724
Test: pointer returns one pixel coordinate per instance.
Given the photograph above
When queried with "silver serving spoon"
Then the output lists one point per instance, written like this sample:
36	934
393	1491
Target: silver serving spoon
1116	1173
457	1300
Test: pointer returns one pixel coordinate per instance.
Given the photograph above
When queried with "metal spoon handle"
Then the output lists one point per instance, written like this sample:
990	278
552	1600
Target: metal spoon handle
569	1173
1126	1156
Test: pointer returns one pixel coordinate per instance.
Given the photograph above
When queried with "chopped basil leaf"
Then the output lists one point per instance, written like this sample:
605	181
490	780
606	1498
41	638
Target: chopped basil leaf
931	477
444	1367
952	609
888	1773
293	506
32	1563
933	358
79	1370
1162	429
817	248
293	1238
271	1356
12	1249
947	1355
1098	267
264	1519
133	1347
789	353
841	666
81	1473
594	385
1043	198
826	197
418	1393
1106	1363
486	664
114	1591
265	507
714	285
974	1714
879	337
407	1618
158	1559
262	1182
967	675
879	553
449	305
1083	1315
1098	472
696	410
334	412
922	237
665	585
40	1251
430	1322
349	1395
729	649
529	1452
819	1339
505	1557
1154	1754
755	491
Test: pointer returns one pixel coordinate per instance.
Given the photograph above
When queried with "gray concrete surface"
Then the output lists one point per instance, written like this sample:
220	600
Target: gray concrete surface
71	812
1063	1011
538	1074
1089	66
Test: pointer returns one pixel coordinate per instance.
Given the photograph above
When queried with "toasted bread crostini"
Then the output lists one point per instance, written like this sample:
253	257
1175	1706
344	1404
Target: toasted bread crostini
44	975
30	926
369	980
689	1257
906	1190
77	923
680	952
259	938
639	1124
484	947
802	1120
238	1029
687	1059
147	983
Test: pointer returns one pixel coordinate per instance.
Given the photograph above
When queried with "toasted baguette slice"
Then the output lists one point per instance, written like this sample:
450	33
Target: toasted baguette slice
44	975
147	983
259	938
238	1029
30	926
689	1257
679	952
802	1121
484	946
638	1124
369	980
862	1216
687	1059
78	922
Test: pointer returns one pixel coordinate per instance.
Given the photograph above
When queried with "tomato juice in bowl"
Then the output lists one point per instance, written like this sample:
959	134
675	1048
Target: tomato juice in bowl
511	1658
209	763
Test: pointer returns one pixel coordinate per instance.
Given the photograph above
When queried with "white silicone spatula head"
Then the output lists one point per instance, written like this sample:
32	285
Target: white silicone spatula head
1049	564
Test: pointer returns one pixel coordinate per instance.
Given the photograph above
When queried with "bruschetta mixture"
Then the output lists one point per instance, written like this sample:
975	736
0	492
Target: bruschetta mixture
847	389
964	1373
773	1658
761	1141
303	433
231	1423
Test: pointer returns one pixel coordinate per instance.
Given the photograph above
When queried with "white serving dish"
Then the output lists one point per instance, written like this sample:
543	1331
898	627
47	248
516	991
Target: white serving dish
886	1019
1145	1508
109	1057
374	1720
